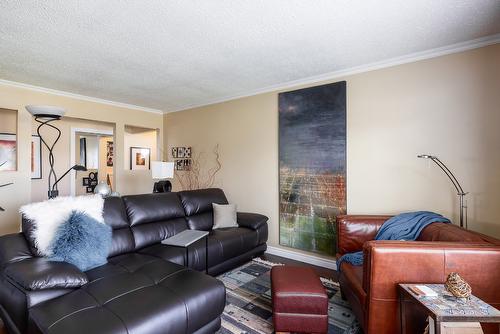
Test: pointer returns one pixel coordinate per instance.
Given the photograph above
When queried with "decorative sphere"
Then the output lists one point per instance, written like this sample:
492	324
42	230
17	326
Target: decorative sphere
102	189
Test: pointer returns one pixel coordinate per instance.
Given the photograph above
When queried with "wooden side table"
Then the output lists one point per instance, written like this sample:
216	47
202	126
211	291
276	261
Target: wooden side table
445	307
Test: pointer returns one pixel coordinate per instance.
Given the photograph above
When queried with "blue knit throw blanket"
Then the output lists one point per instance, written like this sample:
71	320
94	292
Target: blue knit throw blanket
405	226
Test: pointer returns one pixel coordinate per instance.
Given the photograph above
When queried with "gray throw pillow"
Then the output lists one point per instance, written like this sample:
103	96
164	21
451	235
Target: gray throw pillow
224	215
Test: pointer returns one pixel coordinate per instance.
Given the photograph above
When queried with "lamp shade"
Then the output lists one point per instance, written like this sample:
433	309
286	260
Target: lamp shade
162	170
46	111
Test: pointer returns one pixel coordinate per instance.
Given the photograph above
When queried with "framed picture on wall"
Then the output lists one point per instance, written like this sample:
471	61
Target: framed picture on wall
8	152
36	157
187	152
109	153
140	158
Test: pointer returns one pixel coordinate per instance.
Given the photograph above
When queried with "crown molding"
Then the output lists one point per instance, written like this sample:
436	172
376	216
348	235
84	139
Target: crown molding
409	58
78	96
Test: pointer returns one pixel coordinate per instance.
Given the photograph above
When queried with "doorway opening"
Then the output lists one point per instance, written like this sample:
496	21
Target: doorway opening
94	149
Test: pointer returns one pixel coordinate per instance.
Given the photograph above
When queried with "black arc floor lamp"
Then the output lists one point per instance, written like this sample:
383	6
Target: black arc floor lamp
45	115
460	192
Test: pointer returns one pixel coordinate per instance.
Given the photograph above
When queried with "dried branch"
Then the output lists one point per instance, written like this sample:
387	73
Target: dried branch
195	178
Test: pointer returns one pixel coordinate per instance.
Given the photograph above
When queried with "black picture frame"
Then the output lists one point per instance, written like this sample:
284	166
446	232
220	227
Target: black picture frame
90	190
85	181
93	176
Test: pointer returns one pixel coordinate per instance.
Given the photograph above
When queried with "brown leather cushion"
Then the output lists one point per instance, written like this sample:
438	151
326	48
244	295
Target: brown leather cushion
354	275
449	233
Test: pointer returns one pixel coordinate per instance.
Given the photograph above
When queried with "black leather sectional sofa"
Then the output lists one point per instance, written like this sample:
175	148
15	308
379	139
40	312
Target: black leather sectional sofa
144	287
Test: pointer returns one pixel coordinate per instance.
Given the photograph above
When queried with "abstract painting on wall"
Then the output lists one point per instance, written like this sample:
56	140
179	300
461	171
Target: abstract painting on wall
312	155
8	153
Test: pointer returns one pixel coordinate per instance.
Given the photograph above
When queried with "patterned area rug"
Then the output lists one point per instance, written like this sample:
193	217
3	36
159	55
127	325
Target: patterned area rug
248	303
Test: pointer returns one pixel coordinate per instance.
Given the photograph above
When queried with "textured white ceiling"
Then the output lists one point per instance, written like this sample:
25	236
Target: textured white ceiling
170	55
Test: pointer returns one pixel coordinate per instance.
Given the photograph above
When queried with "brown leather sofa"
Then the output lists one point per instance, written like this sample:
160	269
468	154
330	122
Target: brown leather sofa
441	248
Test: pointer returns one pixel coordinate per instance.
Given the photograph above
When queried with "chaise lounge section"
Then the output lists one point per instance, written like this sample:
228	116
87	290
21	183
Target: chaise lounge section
144	287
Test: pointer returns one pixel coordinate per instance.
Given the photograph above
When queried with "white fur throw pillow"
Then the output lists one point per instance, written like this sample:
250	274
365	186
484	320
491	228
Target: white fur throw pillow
224	215
47	216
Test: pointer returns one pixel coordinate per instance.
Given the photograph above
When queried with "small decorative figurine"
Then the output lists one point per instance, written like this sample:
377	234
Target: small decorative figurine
457	286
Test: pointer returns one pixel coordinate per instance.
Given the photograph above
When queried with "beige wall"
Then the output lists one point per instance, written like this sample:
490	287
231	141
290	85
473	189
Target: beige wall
17	98
138	181
448	106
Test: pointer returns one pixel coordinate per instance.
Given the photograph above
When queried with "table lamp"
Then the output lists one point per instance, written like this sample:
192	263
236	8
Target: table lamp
161	170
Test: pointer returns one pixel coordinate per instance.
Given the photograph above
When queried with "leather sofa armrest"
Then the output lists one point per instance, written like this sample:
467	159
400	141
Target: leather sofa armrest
13	248
251	220
40	274
387	263
354	230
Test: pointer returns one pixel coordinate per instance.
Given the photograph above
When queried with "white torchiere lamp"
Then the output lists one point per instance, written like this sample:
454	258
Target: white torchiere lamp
162	170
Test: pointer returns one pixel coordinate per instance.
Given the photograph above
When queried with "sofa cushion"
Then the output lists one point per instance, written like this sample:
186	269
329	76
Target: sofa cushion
135	293
198	206
224	215
115	215
251	220
147	208
152	233
45	217
81	241
40	274
13	248
196	253
448	233
232	241
223	244
154	217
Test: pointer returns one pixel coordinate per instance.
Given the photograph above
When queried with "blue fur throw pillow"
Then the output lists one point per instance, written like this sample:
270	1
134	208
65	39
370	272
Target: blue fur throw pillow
82	241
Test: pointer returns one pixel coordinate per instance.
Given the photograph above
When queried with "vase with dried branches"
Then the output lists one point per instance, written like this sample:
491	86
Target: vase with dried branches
198	177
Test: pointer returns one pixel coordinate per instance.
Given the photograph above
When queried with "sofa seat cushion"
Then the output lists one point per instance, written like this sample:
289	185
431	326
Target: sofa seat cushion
232	242
353	276
223	244
135	293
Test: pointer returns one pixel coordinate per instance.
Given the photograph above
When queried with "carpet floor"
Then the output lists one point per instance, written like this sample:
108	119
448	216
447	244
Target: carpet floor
248	304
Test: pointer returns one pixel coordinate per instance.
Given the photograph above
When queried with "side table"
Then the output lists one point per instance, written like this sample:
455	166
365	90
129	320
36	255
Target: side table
445	307
187	238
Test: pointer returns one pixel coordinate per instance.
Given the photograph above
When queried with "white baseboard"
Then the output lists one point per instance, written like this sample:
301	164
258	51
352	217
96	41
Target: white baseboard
306	258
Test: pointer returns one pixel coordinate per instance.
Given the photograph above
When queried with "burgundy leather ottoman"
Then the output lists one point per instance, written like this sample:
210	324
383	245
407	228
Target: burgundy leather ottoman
300	302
